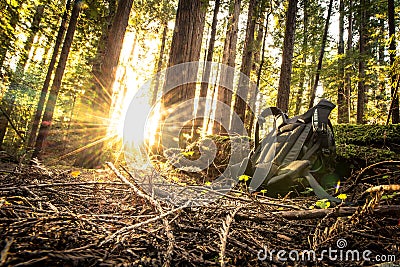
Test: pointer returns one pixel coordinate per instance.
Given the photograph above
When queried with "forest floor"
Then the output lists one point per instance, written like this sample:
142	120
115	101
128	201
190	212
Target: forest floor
72	217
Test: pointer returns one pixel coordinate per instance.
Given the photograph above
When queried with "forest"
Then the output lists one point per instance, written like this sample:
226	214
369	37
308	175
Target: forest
199	133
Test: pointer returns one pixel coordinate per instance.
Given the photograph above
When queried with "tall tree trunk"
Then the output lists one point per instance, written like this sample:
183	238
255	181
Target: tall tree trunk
210	52
394	107
92	156
379	104
112	51
159	63
8	34
55	88
45	88
287	57
245	68
256	67
361	64
8	101
206	75
300	92
185	47
226	76
321	55
341	101
257	129
347	83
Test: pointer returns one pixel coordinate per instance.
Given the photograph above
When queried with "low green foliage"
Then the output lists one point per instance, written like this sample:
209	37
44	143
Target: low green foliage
323	204
368	143
367	134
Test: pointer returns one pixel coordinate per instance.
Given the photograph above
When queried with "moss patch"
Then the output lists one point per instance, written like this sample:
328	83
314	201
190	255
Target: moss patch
368	144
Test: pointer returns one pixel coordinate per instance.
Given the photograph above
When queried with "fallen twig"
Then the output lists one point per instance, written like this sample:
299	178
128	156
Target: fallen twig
4	252
391	162
156	204
320	213
57	184
386	187
224	233
137	225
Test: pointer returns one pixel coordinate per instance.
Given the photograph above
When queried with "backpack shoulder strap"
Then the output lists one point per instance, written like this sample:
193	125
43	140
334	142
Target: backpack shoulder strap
279	117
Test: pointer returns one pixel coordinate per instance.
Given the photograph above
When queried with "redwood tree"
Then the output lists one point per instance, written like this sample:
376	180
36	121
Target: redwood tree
361	63
46	84
300	92
347	81
287	57
104	78
321	55
210	52
341	100
394	106
185	47
8	100
228	58
55	88
245	68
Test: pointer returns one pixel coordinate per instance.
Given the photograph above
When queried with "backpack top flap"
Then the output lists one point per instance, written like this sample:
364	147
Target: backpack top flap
324	108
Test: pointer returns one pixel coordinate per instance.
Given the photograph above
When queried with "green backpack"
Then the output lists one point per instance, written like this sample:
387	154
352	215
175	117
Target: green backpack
296	152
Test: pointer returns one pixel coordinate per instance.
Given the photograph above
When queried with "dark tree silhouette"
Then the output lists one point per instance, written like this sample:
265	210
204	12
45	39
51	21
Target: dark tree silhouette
287	57
394	106
46	84
321	55
8	100
55	88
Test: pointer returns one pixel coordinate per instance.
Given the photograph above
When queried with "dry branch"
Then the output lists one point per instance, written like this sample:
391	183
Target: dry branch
4	252
386	187
223	235
57	184
393	210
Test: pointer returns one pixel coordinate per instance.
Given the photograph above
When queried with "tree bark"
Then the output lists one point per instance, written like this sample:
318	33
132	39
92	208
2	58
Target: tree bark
257	128
55	88
210	52
347	83
92	156
185	47
224	96
9	97
321	55
112	52
392	53
259	47
45	88
300	92
159	63
379	104
361	65
245	68
206	75
341	101
287	57
8	33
